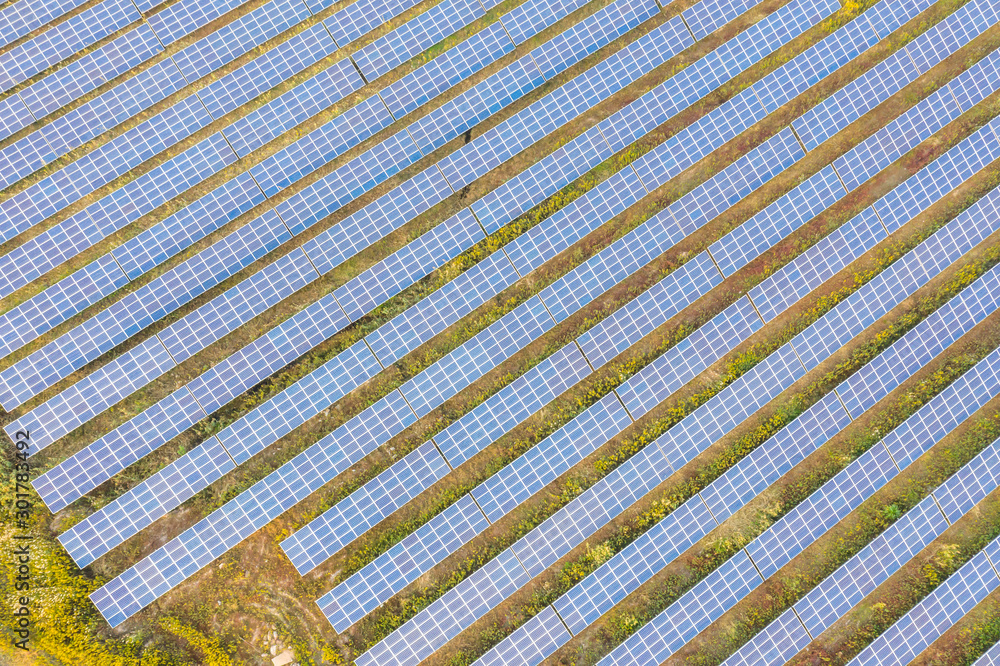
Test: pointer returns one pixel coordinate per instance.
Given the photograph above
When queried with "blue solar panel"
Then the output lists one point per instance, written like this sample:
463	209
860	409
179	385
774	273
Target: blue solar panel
483	352
445	618
937	612
765	229
318	147
595	32
818	264
777	643
19	18
112	213
293	107
92	70
634	565
730	407
439	310
666	100
512	404
969	485
160	493
976	83
406	561
689	615
185	16
386	214
888	77
266	71
89	120
527	645
688	358
991	658
475	105
322	537
41	312
413	90
897	282
242	516
413	37
313	203
650	309
238	37
541	464
706	17
99	167
938	178
888	16
530	18
14	115
390	276
140	308
357	19
63	40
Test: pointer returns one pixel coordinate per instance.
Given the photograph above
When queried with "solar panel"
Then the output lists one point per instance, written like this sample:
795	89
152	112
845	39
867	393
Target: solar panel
530	18
158	494
77	127
416	88
19	18
65	240
335	528
937	612
99	167
897	282
238	37
991	658
443	619
136	310
545	461
529	643
969	485
406	561
888	16
777	643
355	20
765	229
184	17
413	37
976	83
633	565
288	165
685	360
266	71
495	416
92	70
480	354
649	310
63	40
706	17
375	286
442	308
689	615
14	115
293	107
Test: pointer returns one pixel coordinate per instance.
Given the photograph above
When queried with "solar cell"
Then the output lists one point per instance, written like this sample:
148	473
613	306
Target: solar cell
406	561
238	37
185	16
706	17
92	70
293	107
63	40
413	37
416	88
266	71
969	485
335	528
976	83
936	612
14	115
777	643
530	18
356	20
991	658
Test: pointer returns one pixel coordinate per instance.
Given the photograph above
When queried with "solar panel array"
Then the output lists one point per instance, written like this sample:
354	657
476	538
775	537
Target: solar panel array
171	278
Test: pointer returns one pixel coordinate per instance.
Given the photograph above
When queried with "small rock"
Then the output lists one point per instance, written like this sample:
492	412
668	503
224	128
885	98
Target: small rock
274	650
